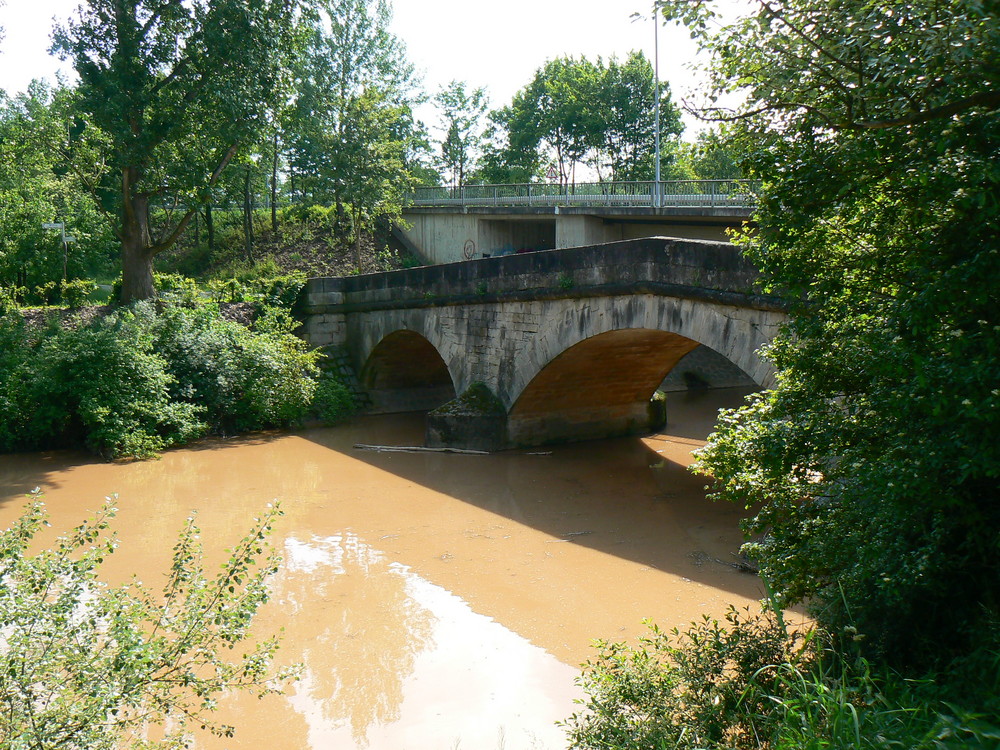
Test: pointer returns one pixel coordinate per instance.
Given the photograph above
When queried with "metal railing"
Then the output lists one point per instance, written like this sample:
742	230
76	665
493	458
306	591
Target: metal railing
665	194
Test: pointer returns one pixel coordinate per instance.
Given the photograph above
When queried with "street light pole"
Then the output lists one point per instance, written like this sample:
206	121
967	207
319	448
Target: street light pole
656	74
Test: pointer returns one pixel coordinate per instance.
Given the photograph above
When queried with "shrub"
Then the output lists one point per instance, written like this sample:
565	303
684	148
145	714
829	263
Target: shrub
265	291
140	380
101	386
88	665
76	292
8	301
750	684
333	401
244	379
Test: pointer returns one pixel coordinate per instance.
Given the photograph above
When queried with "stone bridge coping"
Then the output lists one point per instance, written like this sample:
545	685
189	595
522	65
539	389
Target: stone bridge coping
715	271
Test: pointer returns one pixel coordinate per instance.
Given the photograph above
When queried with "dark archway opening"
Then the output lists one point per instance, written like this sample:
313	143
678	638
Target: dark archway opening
404	373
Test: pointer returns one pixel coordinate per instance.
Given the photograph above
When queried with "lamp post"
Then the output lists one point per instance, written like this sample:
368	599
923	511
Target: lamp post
656	77
64	239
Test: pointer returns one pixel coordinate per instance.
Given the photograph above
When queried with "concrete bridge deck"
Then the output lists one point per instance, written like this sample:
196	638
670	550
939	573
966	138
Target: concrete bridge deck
572	342
475	221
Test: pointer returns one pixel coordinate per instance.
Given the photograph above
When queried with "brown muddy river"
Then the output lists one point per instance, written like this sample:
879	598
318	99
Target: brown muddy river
436	601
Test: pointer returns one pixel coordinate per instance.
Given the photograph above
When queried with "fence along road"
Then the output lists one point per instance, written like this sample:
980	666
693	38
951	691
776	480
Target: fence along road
737	194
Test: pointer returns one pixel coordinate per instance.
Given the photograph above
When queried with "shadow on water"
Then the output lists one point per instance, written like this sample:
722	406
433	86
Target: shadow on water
633	498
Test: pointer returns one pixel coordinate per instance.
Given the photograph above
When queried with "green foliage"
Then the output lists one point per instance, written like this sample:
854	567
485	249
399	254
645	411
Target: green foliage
38	187
87	665
140	380
462	112
168	96
76	292
875	460
749	684
99	385
708	687
350	128
263	291
577	111
333	401
242	379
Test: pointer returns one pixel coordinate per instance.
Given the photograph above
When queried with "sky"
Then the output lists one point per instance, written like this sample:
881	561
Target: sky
496	44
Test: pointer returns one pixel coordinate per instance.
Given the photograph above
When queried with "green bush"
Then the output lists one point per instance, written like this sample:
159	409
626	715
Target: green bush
8	300
101	386
172	286
244	379
320	216
140	380
749	684
333	401
76	291
280	290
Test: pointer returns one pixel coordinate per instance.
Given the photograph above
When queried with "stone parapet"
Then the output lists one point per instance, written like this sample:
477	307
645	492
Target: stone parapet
659	265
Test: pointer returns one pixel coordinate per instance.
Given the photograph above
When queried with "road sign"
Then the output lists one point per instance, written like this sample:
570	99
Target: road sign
50	225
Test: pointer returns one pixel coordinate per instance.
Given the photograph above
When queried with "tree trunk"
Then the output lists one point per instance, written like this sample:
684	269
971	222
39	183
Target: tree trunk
274	184
210	228
247	215
137	251
357	239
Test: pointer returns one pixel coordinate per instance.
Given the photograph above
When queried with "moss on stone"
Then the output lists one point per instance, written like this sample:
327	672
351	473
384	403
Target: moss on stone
477	399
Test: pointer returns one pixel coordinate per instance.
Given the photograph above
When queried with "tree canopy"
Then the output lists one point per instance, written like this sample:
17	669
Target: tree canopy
462	111
575	111
874	462
169	93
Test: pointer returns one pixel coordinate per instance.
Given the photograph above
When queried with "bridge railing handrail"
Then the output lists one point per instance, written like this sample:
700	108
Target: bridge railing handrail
734	193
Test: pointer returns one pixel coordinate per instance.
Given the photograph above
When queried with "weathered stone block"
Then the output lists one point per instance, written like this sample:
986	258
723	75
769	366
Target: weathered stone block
476	420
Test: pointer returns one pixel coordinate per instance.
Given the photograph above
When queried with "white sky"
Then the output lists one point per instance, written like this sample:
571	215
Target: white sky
497	44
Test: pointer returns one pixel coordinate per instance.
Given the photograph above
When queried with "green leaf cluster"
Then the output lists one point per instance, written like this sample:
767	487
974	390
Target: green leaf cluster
750	683
37	186
575	111
142	380
349	130
88	665
873	464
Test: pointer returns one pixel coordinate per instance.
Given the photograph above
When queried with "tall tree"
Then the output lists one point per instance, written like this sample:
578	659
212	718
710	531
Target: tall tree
171	91
576	111
875	460
35	189
552	112
510	155
351	56
462	112
621	118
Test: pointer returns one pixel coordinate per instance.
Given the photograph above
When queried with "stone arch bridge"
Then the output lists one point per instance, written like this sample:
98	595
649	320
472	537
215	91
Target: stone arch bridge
572	342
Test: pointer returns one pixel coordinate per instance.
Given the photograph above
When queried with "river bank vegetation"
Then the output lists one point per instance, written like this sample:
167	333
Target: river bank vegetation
139	379
872	466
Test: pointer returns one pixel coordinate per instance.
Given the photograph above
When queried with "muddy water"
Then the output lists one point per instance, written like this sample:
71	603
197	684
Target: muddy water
436	601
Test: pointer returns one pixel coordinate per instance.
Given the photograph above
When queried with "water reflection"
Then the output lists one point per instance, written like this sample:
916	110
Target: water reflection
396	657
359	653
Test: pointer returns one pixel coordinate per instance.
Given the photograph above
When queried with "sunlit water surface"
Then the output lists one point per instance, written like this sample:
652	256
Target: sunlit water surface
435	601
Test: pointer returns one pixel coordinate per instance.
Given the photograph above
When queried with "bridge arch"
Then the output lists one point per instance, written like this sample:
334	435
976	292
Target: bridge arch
405	372
590	371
